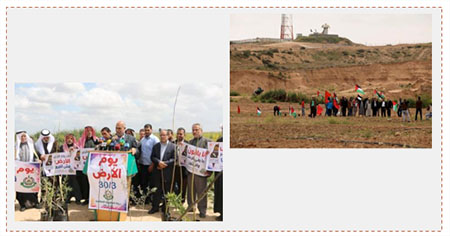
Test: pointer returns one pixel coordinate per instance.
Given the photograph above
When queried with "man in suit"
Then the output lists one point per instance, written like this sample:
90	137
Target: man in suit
163	156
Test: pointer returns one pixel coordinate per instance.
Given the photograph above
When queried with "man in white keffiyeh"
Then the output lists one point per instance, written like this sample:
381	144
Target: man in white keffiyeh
25	152
44	145
24	147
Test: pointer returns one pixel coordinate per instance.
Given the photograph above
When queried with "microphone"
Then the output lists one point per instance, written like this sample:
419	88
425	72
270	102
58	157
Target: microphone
117	147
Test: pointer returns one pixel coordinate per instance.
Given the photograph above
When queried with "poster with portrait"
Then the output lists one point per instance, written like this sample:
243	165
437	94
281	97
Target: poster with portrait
214	160
60	163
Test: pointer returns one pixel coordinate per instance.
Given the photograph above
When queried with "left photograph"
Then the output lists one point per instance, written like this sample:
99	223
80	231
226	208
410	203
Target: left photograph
118	152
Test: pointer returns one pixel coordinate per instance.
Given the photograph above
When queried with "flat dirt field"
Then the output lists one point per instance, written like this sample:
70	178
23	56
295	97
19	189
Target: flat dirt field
82	213
247	130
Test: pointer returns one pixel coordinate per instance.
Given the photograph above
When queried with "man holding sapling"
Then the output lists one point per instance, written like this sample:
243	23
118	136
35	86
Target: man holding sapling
197	184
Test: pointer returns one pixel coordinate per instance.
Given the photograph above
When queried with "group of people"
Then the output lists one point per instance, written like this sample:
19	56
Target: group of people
155	159
360	107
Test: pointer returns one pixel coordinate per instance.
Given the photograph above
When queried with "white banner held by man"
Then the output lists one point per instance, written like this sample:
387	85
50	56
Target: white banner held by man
195	160
60	163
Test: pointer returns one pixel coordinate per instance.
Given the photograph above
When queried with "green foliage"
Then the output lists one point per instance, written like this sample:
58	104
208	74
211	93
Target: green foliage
234	93
56	191
176	201
280	95
269	52
268	64
324	39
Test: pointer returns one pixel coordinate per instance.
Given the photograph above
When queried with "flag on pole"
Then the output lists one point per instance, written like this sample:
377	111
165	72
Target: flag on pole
239	110
335	104
359	90
380	95
319	110
327	94
258	111
395	106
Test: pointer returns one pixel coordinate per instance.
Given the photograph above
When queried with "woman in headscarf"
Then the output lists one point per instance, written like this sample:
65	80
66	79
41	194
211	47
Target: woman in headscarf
25	152
87	140
70	145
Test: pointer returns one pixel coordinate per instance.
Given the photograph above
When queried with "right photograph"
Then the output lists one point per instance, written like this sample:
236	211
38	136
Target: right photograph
331	80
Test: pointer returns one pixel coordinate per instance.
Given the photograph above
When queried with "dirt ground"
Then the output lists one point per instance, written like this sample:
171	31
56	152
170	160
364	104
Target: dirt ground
82	213
247	130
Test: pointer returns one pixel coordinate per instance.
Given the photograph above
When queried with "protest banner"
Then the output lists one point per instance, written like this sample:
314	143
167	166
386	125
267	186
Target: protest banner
60	163
79	157
27	177
107	174
195	161
214	160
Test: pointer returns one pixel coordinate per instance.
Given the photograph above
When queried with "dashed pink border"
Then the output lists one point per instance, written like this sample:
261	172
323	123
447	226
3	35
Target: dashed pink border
228	7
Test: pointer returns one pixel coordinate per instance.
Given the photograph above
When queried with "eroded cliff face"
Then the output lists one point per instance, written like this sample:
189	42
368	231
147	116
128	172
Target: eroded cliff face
398	71
396	80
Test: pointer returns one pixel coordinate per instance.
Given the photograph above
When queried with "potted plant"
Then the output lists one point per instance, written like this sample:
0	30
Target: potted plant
54	197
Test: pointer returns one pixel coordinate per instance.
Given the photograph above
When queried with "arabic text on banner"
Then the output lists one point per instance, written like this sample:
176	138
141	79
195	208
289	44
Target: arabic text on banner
60	163
79	157
195	160
214	159
107	174
27	177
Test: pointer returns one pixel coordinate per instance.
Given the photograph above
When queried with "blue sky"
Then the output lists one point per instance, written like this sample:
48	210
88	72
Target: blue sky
68	106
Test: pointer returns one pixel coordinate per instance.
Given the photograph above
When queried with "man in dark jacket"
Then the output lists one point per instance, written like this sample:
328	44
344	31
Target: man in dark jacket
199	182
419	107
163	157
180	181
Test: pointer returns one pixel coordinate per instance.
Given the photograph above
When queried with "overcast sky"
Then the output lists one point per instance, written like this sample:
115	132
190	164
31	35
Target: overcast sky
370	29
75	105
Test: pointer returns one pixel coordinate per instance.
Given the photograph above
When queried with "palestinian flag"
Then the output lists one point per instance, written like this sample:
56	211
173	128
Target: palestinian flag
380	95
319	110
359	90
239	110
359	97
395	106
335	103
327	94
258	111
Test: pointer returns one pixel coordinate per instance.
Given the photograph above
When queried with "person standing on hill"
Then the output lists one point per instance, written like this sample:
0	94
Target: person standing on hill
383	108
405	111
399	110
374	107
312	106
429	113
276	110
329	107
344	105
368	107
350	106
419	107
303	107
389	107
